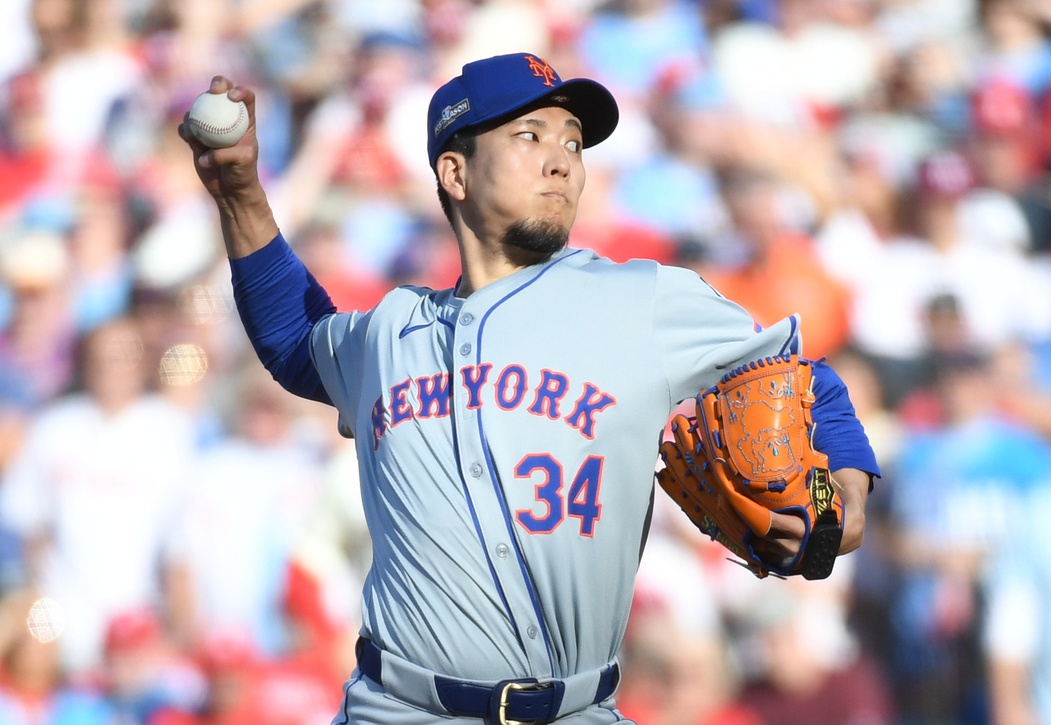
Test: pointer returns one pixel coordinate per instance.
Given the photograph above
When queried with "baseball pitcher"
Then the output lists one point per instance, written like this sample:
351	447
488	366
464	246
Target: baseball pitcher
508	428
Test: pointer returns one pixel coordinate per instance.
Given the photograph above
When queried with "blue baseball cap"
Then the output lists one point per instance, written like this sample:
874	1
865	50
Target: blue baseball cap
493	88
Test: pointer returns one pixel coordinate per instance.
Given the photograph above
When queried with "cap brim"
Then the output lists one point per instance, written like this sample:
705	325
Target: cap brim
593	105
588	100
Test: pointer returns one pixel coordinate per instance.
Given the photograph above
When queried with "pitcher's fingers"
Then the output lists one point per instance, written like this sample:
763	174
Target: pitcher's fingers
788	526
187	135
247	95
776	551
240	154
220	84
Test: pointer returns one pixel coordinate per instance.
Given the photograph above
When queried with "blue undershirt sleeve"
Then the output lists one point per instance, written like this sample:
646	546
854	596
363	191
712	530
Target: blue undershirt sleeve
279	302
837	431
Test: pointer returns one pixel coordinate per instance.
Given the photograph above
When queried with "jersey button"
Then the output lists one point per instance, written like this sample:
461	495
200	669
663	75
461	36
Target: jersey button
532	631
465	349
502	550
466	318
476	470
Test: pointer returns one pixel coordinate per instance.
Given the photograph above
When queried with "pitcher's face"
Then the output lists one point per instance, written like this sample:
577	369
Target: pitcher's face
524	182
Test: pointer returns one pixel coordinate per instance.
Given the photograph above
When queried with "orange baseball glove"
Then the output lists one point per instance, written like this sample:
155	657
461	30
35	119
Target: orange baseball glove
747	452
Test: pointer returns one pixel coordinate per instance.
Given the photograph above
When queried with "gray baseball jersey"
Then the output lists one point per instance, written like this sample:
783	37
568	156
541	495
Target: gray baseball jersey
507	444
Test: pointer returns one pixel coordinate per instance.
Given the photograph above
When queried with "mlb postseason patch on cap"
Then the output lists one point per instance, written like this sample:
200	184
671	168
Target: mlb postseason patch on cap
494	88
450	114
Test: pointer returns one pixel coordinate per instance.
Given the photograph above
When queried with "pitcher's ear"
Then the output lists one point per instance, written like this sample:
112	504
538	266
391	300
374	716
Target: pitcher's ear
449	170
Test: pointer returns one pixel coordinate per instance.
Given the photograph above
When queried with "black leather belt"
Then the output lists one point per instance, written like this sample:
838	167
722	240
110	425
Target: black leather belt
507	702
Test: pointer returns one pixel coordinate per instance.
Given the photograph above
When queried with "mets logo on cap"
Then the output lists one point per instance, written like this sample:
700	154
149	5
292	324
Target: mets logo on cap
541	69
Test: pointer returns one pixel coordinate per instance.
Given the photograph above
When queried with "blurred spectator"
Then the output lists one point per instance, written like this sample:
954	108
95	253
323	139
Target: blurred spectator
889	132
787	76
348	145
777	271
35	356
350	170
1022	377
1014	44
85	62
607	227
947	338
98	243
245	497
34	687
143	673
882	425
17	51
888	323
803	65
673	579
675	190
37	340
629	44
320	246
1003	124
1017	630
28	155
995	289
805	664
385	66
36	345
186	42
182	302
490	28
1036	199
331	558
957	488
677	676
1000	294
245	688
863	217
110	452
873	564
1002	149
169	261
299	52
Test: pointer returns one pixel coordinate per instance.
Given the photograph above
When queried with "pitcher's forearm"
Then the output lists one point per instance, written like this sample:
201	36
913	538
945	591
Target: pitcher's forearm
854	485
247	224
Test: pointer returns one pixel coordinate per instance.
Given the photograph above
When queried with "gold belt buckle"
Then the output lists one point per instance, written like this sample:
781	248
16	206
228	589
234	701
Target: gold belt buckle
502	711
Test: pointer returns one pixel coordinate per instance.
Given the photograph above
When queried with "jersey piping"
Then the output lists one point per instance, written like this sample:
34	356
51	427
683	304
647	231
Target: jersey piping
505	509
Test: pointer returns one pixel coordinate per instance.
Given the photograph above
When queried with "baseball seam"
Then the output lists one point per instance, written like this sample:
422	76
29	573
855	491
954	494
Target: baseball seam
221	129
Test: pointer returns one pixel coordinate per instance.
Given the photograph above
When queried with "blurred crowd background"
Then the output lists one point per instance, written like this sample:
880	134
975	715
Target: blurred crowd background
181	543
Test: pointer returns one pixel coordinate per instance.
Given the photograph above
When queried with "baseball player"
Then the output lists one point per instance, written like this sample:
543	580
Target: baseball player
507	428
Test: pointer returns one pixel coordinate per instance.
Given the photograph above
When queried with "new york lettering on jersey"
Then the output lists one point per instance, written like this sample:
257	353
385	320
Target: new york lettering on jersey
547	391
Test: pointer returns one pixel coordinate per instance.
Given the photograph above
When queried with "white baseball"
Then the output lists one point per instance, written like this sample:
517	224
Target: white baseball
216	121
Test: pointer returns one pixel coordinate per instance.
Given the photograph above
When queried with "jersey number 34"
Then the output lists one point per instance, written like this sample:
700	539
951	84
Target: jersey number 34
581	501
